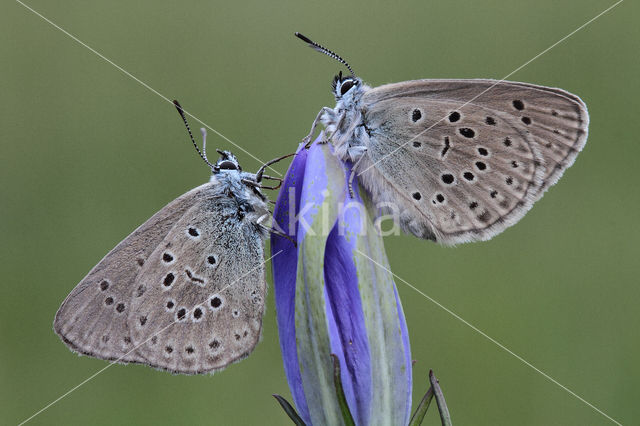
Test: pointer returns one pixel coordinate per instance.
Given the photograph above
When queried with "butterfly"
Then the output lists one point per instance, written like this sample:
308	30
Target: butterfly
185	292
453	160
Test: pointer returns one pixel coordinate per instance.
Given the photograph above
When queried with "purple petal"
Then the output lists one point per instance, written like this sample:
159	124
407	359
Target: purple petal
341	302
388	393
323	191
404	332
348	332
284	266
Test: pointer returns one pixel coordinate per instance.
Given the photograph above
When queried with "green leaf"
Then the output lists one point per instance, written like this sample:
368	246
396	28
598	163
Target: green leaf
418	416
291	412
342	399
445	417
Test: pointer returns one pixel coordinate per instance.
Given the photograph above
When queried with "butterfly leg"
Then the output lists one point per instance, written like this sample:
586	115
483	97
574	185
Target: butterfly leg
277	179
272	178
257	185
341	118
260	172
274	231
353	173
323	111
272	187
280	234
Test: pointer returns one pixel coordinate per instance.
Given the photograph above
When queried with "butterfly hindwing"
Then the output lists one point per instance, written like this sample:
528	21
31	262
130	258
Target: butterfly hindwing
92	320
464	159
202	292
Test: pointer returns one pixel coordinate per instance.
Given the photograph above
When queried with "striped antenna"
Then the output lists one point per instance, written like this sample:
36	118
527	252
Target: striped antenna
324	50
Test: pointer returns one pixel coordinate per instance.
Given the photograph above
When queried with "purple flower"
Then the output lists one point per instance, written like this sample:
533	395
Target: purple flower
332	299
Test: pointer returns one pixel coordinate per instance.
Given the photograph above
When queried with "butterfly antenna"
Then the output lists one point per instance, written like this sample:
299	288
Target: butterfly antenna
260	171
184	119
203	132
324	50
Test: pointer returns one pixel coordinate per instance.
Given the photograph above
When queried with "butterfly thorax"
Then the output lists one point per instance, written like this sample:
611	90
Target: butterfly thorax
344	123
238	199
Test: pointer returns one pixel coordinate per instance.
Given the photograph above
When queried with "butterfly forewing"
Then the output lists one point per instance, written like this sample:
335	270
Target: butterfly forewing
93	318
467	157
202	293
557	119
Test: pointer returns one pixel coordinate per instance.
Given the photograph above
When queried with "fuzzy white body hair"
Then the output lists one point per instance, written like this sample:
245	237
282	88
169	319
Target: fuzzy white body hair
455	160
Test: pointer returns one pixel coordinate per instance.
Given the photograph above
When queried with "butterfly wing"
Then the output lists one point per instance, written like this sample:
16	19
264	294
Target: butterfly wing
465	159
200	298
92	320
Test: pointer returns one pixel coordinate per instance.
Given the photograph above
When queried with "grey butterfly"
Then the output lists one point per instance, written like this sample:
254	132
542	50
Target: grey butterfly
185	292
459	160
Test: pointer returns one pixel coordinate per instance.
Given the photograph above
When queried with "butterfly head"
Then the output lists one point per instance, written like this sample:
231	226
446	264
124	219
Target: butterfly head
344	87
226	162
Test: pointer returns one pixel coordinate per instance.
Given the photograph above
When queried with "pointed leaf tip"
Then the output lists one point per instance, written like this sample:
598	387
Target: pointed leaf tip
291	412
445	417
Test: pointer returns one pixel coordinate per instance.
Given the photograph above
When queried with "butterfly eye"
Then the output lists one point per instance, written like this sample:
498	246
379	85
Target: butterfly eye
348	84
227	165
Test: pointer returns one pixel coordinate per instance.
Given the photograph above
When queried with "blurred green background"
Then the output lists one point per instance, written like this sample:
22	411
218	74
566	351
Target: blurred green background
88	154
